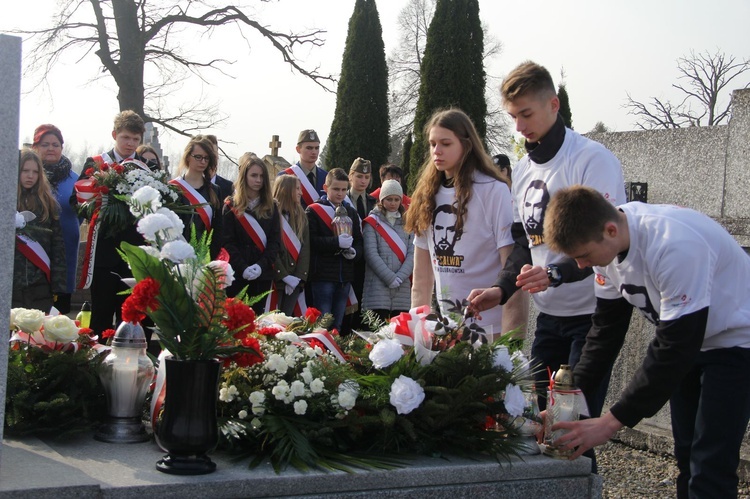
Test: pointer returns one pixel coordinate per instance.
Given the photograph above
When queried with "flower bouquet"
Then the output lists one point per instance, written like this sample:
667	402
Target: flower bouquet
411	387
102	195
53	385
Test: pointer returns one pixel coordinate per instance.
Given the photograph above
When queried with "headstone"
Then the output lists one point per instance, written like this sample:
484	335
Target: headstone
273	161
10	103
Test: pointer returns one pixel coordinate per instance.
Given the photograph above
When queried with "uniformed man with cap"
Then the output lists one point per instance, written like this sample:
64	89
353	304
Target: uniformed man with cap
311	176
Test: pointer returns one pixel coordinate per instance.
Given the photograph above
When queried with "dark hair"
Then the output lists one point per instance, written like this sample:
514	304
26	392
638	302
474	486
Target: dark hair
336	174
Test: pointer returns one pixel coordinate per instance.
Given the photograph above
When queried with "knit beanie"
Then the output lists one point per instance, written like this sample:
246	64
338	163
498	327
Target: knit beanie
43	130
391	188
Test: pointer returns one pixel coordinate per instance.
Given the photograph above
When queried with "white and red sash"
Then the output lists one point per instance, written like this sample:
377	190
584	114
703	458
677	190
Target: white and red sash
205	211
389	235
293	246
326	214
86	189
253	229
34	252
326	339
309	192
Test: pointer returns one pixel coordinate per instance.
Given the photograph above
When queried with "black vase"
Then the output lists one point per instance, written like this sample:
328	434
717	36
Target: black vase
188	428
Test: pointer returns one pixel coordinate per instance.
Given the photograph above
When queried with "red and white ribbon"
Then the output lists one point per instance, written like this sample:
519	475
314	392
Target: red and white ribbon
195	198
327	340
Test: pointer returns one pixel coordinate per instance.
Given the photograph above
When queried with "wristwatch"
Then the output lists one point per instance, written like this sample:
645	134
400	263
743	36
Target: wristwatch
554	275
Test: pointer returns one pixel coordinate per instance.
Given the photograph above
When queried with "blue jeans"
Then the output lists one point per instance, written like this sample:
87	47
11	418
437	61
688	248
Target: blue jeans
710	411
330	298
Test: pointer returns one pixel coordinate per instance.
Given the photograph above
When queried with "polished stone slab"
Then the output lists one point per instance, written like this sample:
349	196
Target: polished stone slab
86	468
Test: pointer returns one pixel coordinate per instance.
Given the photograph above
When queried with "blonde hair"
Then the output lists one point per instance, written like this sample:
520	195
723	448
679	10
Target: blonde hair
240	199
205	144
39	199
474	158
285	193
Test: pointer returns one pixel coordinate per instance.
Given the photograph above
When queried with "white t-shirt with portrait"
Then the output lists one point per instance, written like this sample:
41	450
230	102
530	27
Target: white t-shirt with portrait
469	259
579	161
680	261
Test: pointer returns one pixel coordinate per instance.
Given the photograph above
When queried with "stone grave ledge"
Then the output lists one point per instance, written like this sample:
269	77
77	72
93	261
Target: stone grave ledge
85	468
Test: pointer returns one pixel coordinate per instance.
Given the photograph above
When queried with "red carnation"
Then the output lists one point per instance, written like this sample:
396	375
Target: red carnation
270	330
108	333
89	172
104	167
104	189
145	295
238	315
312	314
85	330
118	168
131	312
223	255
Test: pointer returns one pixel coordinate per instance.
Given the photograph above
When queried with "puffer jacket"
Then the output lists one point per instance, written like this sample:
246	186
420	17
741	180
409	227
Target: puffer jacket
383	266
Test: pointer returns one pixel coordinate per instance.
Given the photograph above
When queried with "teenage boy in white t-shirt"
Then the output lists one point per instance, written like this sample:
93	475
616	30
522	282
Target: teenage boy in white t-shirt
688	276
556	157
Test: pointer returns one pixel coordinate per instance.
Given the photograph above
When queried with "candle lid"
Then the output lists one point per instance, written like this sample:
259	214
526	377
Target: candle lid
129	335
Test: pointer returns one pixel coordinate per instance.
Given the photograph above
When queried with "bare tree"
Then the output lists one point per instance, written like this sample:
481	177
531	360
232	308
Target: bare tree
703	79
136	38
404	70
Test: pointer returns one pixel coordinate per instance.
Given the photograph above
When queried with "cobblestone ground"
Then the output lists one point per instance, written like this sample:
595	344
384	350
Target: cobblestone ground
630	473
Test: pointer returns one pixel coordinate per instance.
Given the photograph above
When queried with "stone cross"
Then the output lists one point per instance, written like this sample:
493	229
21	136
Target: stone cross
10	103
274	145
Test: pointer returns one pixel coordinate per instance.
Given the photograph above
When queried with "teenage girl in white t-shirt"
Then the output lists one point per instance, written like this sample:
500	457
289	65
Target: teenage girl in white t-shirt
461	215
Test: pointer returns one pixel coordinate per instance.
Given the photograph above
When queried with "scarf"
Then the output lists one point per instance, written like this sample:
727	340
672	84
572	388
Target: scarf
57	172
546	149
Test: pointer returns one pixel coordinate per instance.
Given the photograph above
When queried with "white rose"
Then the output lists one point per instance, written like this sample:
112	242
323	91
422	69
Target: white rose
298	388
300	407
20	221
386	352
514	400
177	251
281	391
406	394
277	363
60	328
145	200
306	375
242	414
501	358
317	385
29	320
279	318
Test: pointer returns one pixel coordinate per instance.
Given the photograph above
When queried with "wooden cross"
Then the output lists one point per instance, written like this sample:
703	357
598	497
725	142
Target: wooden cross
274	145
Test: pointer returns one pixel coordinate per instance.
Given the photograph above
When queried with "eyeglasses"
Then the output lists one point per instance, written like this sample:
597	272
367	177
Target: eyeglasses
200	158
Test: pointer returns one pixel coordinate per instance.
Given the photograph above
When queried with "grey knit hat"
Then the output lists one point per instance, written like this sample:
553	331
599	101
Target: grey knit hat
391	188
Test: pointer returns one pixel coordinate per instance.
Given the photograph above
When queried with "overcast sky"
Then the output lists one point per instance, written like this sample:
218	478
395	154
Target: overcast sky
607	49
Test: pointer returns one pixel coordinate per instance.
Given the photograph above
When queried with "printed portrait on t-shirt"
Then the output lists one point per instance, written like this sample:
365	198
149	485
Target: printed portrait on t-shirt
535	201
445	236
638	297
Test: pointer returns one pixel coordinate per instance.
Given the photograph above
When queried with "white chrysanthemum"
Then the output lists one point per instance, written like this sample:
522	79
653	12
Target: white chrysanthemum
175	232
406	394
145	200
277	363
386	352
177	251
514	400
501	358
298	388
317	385
300	407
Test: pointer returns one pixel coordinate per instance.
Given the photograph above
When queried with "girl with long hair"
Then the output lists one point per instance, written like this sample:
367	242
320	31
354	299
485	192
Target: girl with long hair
461	215
39	269
293	260
252	230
